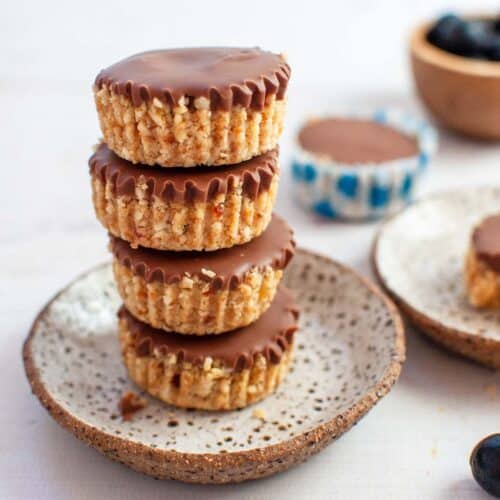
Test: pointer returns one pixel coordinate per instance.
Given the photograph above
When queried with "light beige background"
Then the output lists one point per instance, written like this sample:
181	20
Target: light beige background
415	444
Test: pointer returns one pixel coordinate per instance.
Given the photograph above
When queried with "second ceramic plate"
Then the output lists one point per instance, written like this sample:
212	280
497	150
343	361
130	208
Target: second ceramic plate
419	256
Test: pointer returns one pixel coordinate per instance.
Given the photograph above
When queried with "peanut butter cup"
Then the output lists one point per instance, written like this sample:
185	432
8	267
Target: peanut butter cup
201	293
482	270
355	141
212	372
192	106
184	209
486	242
196	251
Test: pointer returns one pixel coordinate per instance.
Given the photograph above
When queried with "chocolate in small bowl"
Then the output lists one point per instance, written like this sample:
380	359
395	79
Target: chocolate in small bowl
360	166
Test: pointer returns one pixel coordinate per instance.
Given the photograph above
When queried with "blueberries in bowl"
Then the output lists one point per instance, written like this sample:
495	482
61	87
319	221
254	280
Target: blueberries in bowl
475	38
485	464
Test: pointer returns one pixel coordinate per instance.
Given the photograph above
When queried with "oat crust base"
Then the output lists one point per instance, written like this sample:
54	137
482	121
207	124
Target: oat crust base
191	306
482	283
149	221
206	386
188	134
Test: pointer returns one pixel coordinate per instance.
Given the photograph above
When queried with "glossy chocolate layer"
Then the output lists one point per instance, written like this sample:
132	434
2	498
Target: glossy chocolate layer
227	76
486	242
185	185
354	141
275	247
270	336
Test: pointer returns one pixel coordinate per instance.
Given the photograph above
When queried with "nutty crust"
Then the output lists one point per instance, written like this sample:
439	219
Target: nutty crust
187	133
217	468
203	292
207	386
144	219
191	306
482	282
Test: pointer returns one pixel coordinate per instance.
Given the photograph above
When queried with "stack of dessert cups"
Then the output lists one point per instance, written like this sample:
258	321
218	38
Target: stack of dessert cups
185	182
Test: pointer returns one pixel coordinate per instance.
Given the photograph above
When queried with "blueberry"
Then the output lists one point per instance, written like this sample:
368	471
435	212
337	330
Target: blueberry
441	33
485	36
477	38
470	37
490	45
485	464
494	54
496	25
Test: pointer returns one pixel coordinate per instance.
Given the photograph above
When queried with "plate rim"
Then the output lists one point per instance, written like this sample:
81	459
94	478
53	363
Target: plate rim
285	453
470	345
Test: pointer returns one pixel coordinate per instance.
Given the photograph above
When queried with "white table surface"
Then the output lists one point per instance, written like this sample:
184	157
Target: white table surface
415	443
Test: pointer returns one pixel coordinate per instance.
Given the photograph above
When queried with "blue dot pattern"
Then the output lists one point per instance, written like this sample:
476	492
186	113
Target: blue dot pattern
297	171
379	196
305	173
325	208
380	116
347	184
406	186
310	173
423	160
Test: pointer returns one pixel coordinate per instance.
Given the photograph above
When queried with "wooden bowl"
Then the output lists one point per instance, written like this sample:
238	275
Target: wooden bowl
462	93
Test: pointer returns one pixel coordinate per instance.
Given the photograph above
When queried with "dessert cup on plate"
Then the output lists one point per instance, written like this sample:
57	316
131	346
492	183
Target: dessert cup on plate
482	265
418	256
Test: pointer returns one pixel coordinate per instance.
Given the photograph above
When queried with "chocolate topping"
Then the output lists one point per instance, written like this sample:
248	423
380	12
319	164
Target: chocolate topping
275	247
356	141
227	76
270	336
486	242
185	185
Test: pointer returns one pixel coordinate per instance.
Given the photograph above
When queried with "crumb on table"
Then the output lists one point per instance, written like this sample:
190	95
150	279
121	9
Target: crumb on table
130	403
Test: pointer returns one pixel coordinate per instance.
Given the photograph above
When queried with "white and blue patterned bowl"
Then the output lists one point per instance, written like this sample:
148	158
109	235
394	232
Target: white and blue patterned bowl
368	190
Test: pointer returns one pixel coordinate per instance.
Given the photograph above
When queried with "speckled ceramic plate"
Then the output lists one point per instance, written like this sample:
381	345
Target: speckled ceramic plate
348	354
419	257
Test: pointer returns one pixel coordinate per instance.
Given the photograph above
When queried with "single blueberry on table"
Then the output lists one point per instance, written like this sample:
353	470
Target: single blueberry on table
485	464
